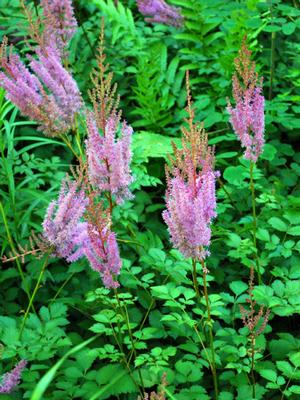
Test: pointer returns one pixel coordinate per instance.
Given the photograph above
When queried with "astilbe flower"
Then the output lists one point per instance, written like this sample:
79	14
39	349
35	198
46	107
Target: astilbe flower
252	319
49	95
108	154
190	195
109	158
11	379
59	21
247	117
158	11
102	249
63	229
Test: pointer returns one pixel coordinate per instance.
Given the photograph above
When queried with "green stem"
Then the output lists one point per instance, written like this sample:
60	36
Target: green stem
272	58
126	318
61	287
12	246
272	62
211	338
252	365
67	142
254	220
31	300
126	363
228	195
195	282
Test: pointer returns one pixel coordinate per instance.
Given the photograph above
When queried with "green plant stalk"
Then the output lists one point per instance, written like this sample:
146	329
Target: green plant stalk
12	246
252	188
211	338
272	64
126	318
228	195
127	363
195	282
61	287
252	364
34	294
67	142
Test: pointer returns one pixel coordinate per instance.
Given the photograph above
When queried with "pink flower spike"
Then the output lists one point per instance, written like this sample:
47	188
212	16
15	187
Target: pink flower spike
247	117
190	196
109	158
158	11
11	379
62	226
59	21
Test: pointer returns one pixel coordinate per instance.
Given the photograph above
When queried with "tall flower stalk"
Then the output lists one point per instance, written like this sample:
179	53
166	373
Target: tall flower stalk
109	140
256	322
248	121
191	205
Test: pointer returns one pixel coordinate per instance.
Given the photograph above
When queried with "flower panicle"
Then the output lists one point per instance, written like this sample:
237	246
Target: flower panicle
247	117
59	22
103	95
255	321
11	379
158	11
109	140
190	195
102	249
63	228
109	158
49	95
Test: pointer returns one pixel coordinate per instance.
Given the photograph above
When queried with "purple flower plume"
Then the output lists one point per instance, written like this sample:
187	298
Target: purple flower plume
49	95
190	195
103	254
190	210
109	158
247	117
62	226
59	21
158	11
11	379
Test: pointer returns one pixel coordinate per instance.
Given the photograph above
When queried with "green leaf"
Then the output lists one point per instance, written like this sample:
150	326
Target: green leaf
238	287
288	28
295	389
268	374
225	396
45	381
285	368
294	231
269	152
278	224
153	144
235	175
295	359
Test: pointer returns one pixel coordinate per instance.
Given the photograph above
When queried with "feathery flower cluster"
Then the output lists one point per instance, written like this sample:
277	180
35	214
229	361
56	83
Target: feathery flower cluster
247	117
108	155
50	96
158	11
11	379
59	21
252	319
76	226
62	226
109	158
102	249
190	196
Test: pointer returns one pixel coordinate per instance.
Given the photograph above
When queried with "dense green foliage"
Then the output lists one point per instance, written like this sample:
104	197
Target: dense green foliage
78	337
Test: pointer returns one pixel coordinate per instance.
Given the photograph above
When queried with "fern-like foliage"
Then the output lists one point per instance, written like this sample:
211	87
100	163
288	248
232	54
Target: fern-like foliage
157	88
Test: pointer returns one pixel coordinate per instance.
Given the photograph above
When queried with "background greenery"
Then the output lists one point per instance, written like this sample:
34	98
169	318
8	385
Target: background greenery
72	312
